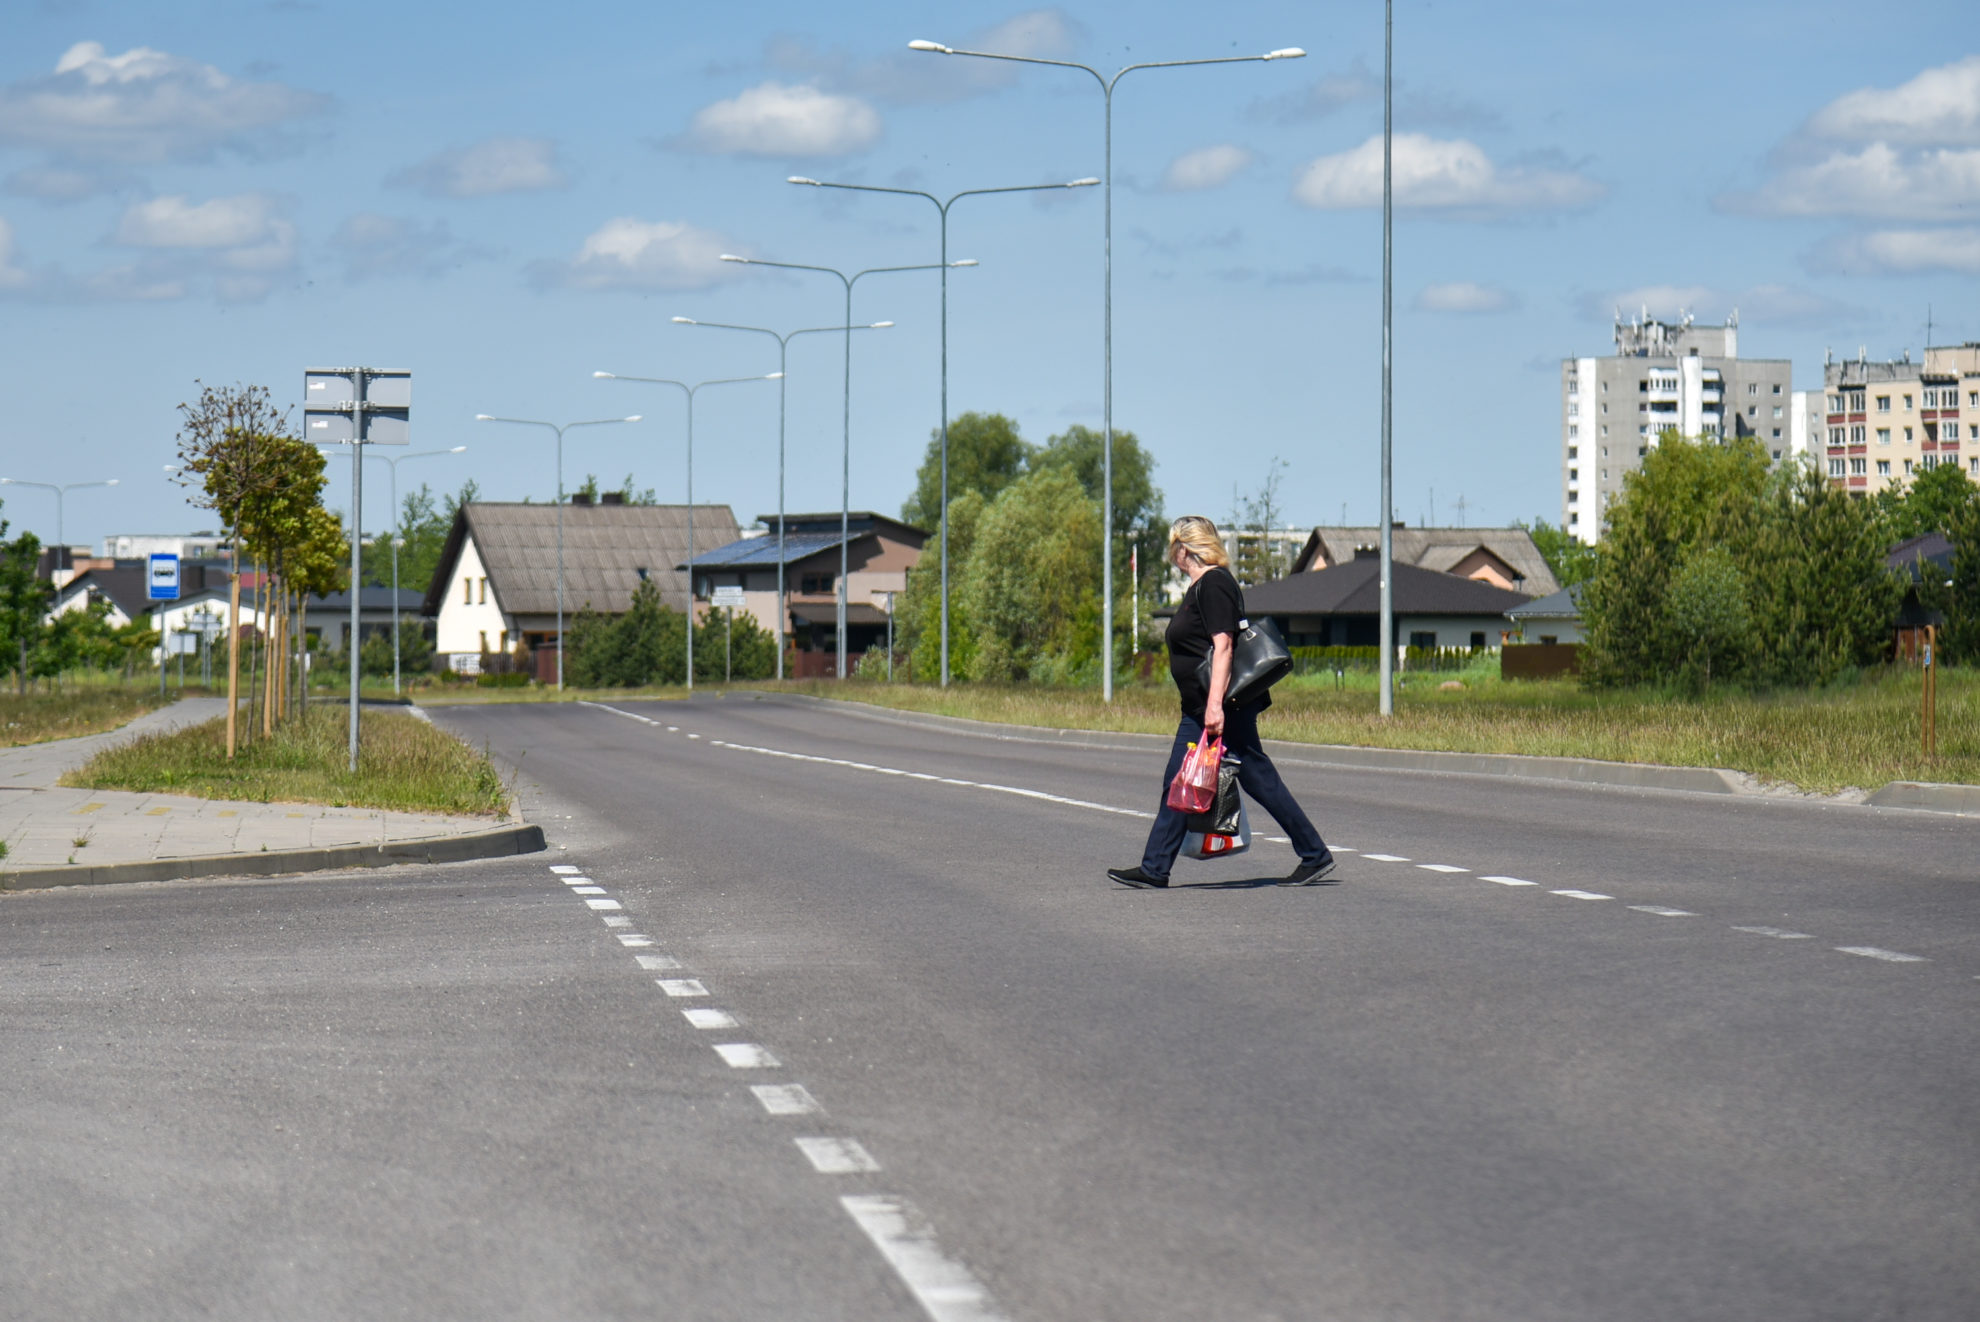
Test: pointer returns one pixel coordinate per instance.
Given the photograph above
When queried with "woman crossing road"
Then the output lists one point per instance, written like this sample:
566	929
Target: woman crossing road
1206	624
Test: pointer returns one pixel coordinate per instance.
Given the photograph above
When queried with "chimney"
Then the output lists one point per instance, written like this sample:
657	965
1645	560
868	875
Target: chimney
611	498
581	498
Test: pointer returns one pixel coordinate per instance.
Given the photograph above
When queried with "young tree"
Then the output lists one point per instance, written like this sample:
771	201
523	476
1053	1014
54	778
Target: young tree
1033	575
1930	502
986	454
1572	560
918	626
1254	558
23	599
1707	610
1823	600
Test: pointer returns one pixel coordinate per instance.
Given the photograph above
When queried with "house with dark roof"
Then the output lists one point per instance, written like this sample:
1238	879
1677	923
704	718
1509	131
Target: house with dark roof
879	551
1341	607
495	588
1923	558
1554	618
1503	557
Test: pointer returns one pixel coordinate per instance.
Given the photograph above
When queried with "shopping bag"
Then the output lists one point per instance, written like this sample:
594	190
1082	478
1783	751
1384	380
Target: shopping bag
1195	787
1218	844
1221	817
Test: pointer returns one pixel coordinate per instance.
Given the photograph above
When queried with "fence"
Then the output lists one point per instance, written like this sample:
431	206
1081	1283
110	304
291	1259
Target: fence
1326	660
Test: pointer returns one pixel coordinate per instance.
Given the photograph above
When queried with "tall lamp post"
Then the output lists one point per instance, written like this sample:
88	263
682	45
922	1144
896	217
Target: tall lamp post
61	492
1107	331
783	347
1387	627
689	392
845	422
560	429
942	209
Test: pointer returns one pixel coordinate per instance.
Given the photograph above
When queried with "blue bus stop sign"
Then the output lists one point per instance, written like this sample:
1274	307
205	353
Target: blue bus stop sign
162	584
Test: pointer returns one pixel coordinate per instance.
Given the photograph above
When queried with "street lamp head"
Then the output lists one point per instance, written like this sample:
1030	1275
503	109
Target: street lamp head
685	321
800	179
1087	182
1286	53
880	325
484	417
605	376
731	257
111	483
935	46
457	449
634	418
965	261
774	376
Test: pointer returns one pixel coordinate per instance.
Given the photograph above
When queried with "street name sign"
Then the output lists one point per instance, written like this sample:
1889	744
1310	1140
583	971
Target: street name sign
728	598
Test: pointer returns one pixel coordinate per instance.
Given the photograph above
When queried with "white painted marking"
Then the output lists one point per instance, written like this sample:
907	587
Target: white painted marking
786	1098
944	1287
634	938
682	986
694	736
745	1056
617	920
1340	849
837	1156
1780	932
1661	912
563	868
710	1018
587	890
1510	881
1583	895
1441	867
1277	839
1386	858
604	904
578	879
1888	956
673	729
657	962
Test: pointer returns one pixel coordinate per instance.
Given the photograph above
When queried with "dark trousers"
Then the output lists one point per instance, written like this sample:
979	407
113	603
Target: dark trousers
1257	777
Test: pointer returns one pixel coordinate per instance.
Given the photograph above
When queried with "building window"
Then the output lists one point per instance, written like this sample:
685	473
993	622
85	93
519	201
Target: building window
1574	475
1883	468
484	592
1835	436
1856	401
1907	436
1752	387
1883	403
1884	436
505	640
1835	468
1477	640
1974	463
1605	408
1422	638
1835	403
1859	467
1605	429
1907	468
1642	450
815	583
467	592
1777	387
1574	497
1777	432
1574	518
1605	390
1777	410
1907	402
1973	431
1856	435
1573	451
1573	430
1777	456
1752	410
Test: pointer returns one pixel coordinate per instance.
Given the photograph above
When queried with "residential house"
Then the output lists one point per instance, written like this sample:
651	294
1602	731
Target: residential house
1921	559
1340	606
879	551
1503	557
1554	618
495	589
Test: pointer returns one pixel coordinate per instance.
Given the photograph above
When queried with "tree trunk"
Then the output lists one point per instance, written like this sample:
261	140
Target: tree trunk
233	649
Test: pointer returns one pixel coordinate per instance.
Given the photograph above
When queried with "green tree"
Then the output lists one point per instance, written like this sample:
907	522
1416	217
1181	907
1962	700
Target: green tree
1033	576
986	454
1930	502
741	647
1572	560
645	645
1707	611
918	626
1822	599
1959	597
23	599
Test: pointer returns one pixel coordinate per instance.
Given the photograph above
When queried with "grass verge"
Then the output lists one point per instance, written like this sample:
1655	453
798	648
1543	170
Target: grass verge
1862	734
403	764
78	709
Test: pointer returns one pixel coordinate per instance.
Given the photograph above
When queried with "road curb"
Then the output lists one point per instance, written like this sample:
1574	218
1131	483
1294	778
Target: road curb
499	843
1928	796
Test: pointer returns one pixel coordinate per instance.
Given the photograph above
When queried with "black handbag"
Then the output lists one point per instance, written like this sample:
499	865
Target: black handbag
1226	810
1259	659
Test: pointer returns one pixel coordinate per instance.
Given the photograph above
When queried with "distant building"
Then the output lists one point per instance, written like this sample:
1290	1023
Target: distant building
1554	618
1662	376
185	545
1340	606
1886	422
1503	557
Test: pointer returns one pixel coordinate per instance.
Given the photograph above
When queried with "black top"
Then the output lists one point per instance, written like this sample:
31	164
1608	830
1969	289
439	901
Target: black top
1214	604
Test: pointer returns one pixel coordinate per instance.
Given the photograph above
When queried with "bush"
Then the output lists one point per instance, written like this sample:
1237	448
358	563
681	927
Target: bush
513	680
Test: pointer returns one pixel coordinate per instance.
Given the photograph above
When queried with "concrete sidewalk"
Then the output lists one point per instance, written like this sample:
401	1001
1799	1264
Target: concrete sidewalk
65	837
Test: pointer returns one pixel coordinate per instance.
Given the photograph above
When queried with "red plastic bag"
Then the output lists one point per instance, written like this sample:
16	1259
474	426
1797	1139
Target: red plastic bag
1195	787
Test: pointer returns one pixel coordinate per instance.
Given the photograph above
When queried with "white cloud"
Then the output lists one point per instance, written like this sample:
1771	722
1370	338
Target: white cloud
777	119
1876	181
144	106
906	77
223	222
53	183
497	165
628	253
1206	167
1317	100
1432	174
243	244
1465	296
1940	105
1905	252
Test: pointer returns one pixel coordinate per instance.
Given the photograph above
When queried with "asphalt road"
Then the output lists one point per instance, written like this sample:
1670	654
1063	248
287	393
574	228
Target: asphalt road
1716	1062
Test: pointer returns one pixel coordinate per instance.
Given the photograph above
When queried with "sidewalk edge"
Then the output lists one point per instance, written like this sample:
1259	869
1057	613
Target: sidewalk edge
1928	796
499	843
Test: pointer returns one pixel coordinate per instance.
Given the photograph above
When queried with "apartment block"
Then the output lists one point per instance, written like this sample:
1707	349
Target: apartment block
1886	422
1663	376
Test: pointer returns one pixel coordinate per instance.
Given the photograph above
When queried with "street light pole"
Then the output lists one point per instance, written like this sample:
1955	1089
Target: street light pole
783	346
560	430
845	456
689	392
942	209
1387	628
61	491
1107	330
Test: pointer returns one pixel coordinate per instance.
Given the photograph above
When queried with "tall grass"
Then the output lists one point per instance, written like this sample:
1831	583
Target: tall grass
1862	733
403	764
75	709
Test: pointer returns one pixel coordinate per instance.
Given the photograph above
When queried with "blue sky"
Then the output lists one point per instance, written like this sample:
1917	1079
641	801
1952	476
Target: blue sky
505	198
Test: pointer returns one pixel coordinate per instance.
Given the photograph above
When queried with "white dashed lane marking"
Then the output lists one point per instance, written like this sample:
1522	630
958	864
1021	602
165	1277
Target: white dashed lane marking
1510	881
745	1056
1582	895
617	920
604	904
656	963
710	1018
1386	858
1888	956
634	939
564	869
786	1098
837	1156
682	986
1662	912
907	1241
1780	932
587	890
1442	867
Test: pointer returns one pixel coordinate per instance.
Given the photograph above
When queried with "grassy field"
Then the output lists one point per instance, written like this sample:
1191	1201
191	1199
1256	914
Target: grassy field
1862	734
78	709
467	695
404	764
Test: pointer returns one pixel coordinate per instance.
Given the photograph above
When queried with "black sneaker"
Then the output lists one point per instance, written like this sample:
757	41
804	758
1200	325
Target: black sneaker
1314	874
1136	878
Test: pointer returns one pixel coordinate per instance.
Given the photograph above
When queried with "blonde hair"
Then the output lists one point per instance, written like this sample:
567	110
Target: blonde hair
1198	536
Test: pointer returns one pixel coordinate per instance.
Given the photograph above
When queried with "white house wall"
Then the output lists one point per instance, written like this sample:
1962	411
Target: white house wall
469	620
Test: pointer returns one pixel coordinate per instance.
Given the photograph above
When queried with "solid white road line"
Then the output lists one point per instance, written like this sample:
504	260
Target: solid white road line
1441	867
944	1287
1780	932
1661	912
1510	881
786	1098
657	962
682	986
604	904
1582	895
1386	858
710	1018
634	939
745	1056
1888	956
564	869
837	1156
587	890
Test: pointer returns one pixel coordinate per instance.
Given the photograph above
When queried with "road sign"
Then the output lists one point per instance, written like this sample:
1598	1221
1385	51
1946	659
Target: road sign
332	408
162	584
727	598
